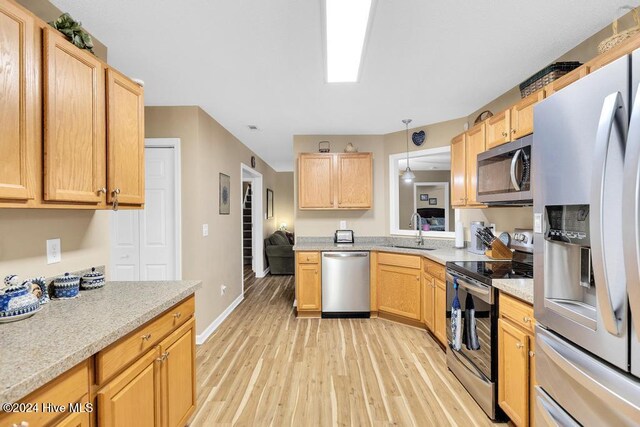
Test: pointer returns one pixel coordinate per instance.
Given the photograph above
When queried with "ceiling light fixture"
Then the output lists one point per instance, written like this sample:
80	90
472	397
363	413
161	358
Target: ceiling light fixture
408	174
346	28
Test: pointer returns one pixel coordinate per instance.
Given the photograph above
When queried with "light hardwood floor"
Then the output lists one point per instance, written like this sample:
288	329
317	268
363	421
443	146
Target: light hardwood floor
264	367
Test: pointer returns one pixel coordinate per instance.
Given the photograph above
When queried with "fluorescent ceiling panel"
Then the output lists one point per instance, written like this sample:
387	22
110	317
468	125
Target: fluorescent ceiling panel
347	22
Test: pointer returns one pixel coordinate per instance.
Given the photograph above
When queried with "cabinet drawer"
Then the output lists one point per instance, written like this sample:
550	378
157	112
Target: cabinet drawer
69	387
124	351
517	312
308	257
434	269
399	260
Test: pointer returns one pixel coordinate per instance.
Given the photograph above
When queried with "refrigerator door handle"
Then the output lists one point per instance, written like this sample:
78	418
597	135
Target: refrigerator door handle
551	413
514	162
579	366
613	112
631	212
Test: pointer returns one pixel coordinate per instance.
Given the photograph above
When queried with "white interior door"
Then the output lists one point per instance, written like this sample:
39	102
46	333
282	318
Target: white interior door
158	220
144	243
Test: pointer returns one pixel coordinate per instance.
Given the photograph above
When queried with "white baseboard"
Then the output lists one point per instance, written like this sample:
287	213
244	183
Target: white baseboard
201	338
263	274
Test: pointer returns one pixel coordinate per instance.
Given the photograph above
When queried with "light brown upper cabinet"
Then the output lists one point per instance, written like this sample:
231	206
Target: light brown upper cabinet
74	123
498	129
335	181
514	122
566	80
17	104
475	144
125	140
458	171
464	169
355	183
522	115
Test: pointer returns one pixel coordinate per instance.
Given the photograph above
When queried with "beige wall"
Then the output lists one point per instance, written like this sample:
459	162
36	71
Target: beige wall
84	238
284	200
369	222
208	149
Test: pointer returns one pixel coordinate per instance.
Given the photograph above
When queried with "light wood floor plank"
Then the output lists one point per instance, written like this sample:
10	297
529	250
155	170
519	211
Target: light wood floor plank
264	367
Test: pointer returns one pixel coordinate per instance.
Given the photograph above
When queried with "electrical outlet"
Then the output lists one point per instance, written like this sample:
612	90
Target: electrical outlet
223	289
205	230
54	251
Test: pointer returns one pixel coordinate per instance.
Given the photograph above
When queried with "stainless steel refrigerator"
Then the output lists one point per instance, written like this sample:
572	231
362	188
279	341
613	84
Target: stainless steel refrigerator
586	191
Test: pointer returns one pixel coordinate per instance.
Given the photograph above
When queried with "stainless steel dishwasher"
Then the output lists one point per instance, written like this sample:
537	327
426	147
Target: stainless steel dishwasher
345	284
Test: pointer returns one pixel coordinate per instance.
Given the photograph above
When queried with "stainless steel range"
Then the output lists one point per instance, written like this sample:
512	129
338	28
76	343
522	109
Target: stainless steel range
472	355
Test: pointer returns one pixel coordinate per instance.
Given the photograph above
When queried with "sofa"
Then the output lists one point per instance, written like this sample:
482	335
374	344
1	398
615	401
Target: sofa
279	252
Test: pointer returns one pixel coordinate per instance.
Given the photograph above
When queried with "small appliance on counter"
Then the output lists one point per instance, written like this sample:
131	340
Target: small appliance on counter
476	246
344	237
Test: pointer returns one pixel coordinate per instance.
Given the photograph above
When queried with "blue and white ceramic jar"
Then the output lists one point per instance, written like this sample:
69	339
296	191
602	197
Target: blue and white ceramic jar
16	298
92	280
66	286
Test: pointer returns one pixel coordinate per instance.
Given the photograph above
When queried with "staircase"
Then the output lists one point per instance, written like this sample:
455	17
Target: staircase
247	240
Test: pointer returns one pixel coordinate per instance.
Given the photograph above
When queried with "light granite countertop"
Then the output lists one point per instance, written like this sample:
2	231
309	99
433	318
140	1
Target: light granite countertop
519	288
442	253
65	332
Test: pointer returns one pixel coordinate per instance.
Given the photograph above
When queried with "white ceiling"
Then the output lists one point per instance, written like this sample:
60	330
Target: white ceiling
261	62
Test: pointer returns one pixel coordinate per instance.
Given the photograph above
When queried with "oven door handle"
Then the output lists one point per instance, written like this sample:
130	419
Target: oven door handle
468	365
514	162
482	292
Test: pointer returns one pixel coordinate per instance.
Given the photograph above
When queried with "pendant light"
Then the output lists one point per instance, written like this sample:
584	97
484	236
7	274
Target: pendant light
408	174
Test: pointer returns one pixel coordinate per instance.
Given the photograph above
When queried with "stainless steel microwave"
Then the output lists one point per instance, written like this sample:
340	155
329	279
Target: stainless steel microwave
504	174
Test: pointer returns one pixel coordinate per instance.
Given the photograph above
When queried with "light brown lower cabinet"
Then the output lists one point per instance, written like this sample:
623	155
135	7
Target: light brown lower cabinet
516	374
75	419
428	300
308	284
399	291
440	310
158	389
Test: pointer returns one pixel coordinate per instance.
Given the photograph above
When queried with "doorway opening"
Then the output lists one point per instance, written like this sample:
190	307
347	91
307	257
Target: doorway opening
247	231
147	244
251	200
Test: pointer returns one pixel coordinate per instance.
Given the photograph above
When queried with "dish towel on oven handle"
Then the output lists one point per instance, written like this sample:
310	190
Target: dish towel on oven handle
470	327
456	319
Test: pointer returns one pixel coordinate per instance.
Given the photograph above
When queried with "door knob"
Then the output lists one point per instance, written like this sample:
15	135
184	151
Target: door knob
102	190
519	345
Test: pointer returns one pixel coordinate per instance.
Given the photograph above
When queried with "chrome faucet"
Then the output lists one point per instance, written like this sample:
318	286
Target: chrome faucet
418	224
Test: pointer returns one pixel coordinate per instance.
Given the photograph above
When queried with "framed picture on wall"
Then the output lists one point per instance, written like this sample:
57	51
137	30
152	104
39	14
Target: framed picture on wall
269	204
225	194
424	197
433	201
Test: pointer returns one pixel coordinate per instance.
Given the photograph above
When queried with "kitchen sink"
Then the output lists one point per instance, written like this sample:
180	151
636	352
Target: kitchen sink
422	248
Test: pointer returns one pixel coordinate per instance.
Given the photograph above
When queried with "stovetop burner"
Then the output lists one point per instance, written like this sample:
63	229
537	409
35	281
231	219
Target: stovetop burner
486	271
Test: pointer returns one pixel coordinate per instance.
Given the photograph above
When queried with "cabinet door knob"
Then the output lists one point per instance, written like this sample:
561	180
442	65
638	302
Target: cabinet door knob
177	315
519	345
504	134
114	194
526	319
513	131
102	190
532	353
146	337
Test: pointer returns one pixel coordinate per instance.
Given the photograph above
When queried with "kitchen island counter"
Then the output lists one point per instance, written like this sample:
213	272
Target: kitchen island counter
64	333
